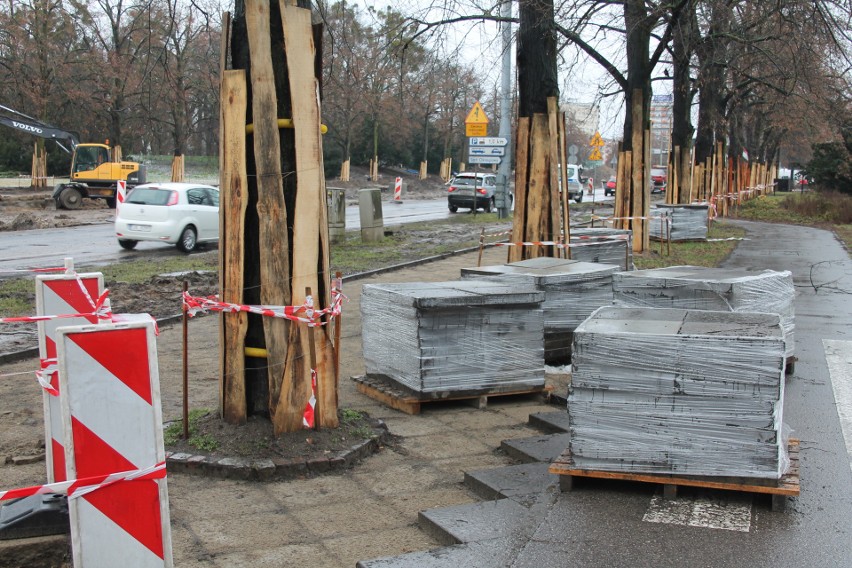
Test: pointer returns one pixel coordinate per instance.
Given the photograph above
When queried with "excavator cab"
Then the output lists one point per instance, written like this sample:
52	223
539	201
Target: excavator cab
87	158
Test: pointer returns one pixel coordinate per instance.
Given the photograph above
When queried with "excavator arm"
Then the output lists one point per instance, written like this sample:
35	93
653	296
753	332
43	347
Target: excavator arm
30	125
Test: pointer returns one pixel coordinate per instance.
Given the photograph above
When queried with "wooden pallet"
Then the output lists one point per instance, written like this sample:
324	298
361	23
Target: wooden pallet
780	489
396	396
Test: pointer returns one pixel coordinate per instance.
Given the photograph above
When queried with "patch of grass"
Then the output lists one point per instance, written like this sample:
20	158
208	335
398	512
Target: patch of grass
844	233
17	297
174	433
353	422
812	208
139	271
698	253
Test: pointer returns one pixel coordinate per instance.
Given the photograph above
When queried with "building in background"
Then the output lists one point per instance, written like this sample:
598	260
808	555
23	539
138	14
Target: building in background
661	129
582	117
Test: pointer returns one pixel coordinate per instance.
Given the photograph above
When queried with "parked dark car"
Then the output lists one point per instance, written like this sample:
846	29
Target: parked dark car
609	186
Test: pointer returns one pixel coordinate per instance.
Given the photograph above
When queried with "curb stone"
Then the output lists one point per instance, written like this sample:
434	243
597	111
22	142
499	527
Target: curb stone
276	469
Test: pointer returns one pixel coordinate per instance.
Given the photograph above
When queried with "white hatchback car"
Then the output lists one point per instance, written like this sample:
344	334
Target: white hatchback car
181	214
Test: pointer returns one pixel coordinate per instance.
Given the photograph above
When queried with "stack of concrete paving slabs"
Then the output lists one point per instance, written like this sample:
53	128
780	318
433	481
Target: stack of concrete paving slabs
688	222
682	392
446	337
573	290
721	289
604	245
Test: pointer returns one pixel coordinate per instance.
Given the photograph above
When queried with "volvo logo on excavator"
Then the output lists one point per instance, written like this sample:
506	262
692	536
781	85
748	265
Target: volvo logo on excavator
27	127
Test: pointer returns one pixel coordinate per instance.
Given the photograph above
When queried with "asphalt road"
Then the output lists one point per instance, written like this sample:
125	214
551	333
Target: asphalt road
94	245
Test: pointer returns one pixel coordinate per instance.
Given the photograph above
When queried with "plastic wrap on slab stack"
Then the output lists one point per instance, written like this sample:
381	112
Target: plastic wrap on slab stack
573	289
684	392
688	222
437	337
600	244
720	289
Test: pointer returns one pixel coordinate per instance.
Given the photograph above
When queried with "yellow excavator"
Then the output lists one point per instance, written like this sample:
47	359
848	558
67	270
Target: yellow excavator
94	174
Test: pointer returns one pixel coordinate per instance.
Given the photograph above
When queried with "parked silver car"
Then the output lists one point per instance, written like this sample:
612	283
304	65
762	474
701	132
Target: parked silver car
473	189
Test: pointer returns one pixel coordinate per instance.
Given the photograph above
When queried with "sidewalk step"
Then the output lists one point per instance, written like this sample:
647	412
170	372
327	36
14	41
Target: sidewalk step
536	449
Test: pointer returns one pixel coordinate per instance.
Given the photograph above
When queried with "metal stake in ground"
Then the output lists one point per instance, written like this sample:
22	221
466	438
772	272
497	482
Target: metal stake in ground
185	364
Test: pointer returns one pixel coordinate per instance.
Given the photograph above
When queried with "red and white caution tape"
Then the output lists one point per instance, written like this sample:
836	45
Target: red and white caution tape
48	368
304	313
309	416
556	243
100	309
83	486
35	270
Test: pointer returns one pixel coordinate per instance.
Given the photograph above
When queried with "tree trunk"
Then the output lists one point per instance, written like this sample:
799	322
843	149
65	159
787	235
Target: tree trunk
281	255
683	40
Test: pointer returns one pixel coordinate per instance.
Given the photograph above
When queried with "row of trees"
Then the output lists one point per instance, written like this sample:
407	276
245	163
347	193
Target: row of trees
140	73
764	76
144	74
761	76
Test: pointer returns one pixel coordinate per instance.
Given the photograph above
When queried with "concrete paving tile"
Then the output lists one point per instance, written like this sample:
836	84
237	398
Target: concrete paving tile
537	448
521	412
350	549
189	497
411	426
458	465
363	517
446	445
391	478
409	505
478	521
218	535
471	418
316	491
513	481
280	556
495	436
552	422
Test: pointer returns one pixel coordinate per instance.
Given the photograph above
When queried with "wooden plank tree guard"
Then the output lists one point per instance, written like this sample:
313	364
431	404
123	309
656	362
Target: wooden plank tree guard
291	251
541	210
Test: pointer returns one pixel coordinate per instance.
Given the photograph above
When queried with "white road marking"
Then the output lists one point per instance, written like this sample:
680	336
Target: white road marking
731	512
838	356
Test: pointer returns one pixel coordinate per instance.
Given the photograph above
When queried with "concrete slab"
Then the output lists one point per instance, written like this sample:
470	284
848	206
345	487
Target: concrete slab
536	449
480	521
525	483
550	422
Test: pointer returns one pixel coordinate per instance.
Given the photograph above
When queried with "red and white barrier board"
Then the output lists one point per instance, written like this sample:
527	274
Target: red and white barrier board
61	294
110	397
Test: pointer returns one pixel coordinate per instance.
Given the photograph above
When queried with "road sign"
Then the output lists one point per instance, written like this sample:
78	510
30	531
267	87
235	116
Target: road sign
475	129
487	151
483	160
572	149
476	115
476	123
493	141
597	141
596	155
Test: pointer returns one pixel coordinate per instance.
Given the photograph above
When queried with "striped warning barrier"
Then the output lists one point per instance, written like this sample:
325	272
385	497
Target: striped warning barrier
61	300
110	397
397	190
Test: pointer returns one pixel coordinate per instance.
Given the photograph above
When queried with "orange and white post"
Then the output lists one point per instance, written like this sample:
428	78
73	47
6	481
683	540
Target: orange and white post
397	190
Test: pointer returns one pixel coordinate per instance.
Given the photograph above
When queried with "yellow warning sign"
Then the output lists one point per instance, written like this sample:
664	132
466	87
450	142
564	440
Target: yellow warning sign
595	155
476	116
475	129
597	142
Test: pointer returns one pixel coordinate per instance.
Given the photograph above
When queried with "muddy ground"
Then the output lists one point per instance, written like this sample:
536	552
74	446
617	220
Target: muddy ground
25	209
